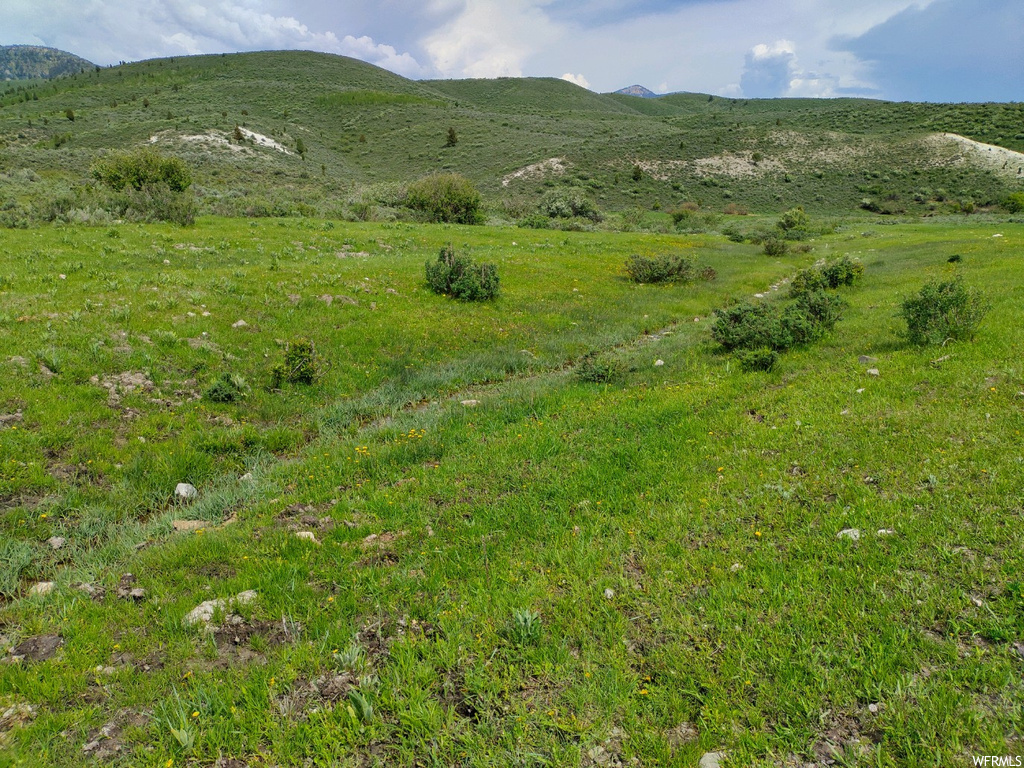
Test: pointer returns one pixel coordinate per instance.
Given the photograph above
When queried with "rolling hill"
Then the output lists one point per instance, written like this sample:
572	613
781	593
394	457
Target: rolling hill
34	62
364	130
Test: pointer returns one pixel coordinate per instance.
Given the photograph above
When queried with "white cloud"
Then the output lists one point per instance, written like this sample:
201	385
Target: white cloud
579	80
490	39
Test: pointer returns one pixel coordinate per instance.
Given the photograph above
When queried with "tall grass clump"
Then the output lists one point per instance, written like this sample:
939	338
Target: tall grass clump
462	278
943	311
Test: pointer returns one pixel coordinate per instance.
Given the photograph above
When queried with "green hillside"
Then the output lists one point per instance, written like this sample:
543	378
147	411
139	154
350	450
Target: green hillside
365	130
35	62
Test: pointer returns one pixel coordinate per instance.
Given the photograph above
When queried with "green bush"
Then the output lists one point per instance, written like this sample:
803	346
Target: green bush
301	365
764	325
841	272
568	203
447	197
597	368
761	359
663	268
774	245
461	277
1014	203
943	311
141	169
229	388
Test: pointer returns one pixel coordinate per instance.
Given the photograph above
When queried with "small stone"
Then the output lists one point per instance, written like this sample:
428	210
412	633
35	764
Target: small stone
658	363
306	536
873	372
246	478
239	324
711	760
203	613
185	491
138	594
873	709
370	539
853	534
758	295
735	567
470	403
860	391
167	261
978	603
609	593
865	360
392	291
886	532
101	670
41	588
189	525
430	531
63	277
56	542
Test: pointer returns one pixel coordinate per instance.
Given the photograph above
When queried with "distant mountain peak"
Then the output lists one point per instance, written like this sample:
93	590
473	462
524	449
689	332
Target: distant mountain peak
637	90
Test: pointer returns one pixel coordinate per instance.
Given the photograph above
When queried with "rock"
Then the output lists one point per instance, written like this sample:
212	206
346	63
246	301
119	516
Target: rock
185	491
56	542
167	261
609	593
873	372
138	594
14	716
307	536
246	478
658	363
240	324
203	613
711	760
853	534
735	567
126	589
41	588
392	291
39	648
101	670
347	300
886	532
189	525
96	593
470	403
860	391
873	709
865	360
11	418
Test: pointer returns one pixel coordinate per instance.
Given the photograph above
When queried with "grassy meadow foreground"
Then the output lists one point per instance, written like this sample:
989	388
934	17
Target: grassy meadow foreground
499	563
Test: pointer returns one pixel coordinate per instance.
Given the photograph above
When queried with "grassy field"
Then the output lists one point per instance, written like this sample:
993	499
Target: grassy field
501	564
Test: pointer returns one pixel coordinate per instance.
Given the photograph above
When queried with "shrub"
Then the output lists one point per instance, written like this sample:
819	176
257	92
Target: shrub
812	315
774	245
597	368
1014	203
794	219
447	197
664	268
750	326
943	311
301	365
842	271
761	359
229	388
461	277
141	169
568	203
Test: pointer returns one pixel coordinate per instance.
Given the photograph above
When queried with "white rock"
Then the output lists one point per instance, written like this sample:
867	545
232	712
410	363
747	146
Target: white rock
56	542
873	708
735	567
853	534
758	295
658	363
609	593
239	324
167	261
306	536
203	613
860	391
996	235
711	760
63	277
873	372
886	532
246	478
41	588
470	403
185	491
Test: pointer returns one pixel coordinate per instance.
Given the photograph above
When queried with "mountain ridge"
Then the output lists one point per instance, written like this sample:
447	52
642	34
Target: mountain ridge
38	62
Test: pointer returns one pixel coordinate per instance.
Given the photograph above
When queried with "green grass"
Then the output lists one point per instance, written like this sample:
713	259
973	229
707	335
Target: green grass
476	628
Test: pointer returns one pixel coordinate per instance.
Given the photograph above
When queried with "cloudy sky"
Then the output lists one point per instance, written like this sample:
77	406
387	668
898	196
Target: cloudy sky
922	50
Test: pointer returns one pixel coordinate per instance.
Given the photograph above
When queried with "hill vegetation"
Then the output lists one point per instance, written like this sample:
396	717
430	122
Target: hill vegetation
35	62
290	133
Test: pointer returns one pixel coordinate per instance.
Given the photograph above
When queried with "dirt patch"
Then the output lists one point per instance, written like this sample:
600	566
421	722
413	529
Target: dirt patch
736	166
38	648
121	384
108	741
309	696
13	716
998	159
455	696
553	166
234	640
306	517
